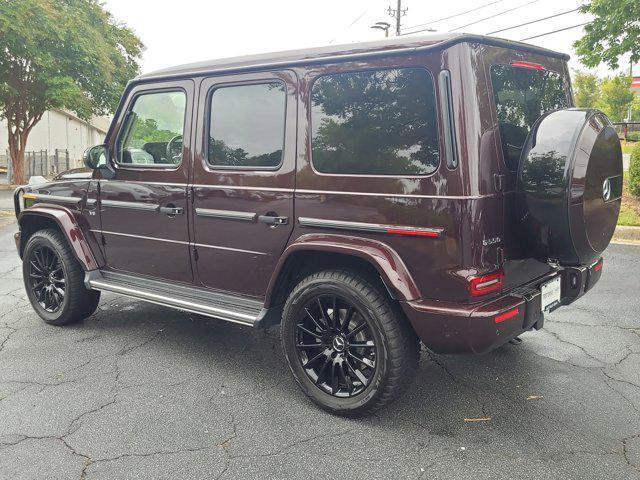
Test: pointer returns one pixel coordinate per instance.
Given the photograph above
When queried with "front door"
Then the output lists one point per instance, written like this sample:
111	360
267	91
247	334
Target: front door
243	179
144	208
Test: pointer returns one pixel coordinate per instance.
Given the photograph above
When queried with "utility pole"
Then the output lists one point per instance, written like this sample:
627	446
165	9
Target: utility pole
397	14
630	75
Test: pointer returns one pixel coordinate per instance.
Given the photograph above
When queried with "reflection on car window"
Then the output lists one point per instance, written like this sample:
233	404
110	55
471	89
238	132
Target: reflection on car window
153	130
246	128
522	95
380	122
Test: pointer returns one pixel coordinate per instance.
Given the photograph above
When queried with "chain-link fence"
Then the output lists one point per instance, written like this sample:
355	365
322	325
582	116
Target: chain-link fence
40	162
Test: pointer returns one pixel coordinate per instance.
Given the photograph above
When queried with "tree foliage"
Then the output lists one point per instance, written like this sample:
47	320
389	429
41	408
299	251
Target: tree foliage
67	54
614	32
615	97
586	90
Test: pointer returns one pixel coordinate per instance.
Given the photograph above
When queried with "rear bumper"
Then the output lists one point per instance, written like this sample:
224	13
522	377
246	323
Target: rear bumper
447	327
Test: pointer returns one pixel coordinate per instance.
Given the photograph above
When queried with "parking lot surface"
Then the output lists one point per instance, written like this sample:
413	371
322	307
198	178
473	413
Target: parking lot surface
142	391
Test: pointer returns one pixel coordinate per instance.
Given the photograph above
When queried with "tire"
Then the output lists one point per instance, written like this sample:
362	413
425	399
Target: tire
48	256
394	354
569	187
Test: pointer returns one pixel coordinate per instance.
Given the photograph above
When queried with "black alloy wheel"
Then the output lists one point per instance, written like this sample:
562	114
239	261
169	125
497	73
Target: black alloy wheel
54	279
349	346
46	278
336	346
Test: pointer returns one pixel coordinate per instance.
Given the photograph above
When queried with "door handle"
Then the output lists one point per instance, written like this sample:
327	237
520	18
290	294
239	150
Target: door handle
171	211
273	220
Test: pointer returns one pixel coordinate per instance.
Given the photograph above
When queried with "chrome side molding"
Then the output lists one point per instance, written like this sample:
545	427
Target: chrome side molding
371	227
130	205
226	214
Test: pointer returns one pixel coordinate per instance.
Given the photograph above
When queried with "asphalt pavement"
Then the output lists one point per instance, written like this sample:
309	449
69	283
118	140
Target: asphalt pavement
142	391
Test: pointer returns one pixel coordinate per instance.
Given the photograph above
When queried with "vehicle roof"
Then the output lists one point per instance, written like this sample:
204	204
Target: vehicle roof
344	52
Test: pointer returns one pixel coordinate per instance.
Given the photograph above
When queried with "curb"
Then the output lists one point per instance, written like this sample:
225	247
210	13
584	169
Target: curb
627	235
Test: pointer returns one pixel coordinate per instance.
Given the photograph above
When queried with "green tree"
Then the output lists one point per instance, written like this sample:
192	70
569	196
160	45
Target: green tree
614	31
634	171
68	54
615	97
586	89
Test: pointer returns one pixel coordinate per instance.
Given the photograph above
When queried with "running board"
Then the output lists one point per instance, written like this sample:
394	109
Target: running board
183	297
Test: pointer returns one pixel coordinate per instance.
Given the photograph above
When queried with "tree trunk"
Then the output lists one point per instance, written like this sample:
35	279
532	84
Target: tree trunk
18	135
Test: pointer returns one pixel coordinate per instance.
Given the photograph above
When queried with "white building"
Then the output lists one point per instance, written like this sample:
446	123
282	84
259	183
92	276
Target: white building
60	129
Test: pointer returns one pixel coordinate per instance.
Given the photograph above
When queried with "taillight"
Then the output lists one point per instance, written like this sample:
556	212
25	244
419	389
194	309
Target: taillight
521	64
486	283
598	266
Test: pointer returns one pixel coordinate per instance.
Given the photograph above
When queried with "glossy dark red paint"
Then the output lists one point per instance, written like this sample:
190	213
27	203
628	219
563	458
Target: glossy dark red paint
428	274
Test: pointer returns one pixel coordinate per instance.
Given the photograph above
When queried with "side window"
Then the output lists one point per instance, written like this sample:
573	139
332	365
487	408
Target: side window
380	122
246	126
152	133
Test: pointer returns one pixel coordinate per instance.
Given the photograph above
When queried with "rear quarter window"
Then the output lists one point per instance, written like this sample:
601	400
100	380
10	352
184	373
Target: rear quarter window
522	95
376	122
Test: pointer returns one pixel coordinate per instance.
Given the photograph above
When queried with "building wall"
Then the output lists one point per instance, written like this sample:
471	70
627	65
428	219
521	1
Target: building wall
61	130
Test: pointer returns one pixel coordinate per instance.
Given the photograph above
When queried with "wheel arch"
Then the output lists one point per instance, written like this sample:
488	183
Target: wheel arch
64	220
314	252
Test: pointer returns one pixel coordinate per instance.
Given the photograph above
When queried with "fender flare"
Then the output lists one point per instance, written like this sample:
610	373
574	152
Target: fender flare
383	258
69	225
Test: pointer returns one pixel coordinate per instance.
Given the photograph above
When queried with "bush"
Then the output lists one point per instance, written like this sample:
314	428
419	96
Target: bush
633	137
634	171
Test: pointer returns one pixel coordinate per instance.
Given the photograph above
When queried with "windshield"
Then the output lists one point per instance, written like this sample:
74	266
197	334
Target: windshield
522	95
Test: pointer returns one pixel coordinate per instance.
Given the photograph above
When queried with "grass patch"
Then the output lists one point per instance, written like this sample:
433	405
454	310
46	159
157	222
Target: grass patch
627	147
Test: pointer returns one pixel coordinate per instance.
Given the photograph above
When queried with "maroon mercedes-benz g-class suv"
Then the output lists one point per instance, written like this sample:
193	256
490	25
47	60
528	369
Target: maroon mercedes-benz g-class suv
365	197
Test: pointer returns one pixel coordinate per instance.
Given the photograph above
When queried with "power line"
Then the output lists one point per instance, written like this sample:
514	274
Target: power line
453	16
351	24
555	31
495	15
533	21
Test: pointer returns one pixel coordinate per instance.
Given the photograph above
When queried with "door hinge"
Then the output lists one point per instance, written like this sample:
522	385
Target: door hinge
191	193
195	254
103	240
498	181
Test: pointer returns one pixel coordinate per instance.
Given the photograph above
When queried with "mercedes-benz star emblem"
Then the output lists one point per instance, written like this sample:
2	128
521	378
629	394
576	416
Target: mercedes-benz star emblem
606	189
338	344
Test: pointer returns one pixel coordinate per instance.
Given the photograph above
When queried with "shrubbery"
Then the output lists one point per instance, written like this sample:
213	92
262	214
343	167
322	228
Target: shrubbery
634	171
633	136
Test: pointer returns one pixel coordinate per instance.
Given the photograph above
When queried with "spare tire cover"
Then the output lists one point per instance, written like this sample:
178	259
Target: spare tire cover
570	186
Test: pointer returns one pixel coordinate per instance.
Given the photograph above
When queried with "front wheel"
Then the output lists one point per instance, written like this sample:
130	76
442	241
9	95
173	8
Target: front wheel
53	279
348	347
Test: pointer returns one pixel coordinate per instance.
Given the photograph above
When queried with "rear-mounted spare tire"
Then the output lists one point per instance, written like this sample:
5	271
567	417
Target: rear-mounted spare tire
570	186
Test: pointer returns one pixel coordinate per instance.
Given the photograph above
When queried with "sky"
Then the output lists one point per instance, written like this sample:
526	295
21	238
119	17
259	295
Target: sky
190	30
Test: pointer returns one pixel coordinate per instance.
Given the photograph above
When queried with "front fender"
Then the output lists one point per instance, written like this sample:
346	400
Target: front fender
70	226
383	258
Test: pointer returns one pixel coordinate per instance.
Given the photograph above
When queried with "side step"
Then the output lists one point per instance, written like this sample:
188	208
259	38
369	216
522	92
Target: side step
231	308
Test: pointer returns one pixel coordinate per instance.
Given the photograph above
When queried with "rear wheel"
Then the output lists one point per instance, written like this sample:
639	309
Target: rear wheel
54	280
348	347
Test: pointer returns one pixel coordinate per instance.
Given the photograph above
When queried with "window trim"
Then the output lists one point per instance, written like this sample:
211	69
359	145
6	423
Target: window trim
122	131
375	175
566	86
207	125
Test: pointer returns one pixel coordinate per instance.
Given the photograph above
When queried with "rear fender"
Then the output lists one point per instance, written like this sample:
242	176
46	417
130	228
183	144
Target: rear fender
70	225
384	259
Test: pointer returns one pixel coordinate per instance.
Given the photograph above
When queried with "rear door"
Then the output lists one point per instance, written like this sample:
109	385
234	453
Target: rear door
243	179
522	87
144	207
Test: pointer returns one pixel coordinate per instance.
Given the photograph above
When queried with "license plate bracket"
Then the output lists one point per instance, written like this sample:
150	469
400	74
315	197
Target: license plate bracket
551	291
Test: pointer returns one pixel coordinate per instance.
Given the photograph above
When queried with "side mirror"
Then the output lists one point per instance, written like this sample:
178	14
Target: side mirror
95	157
